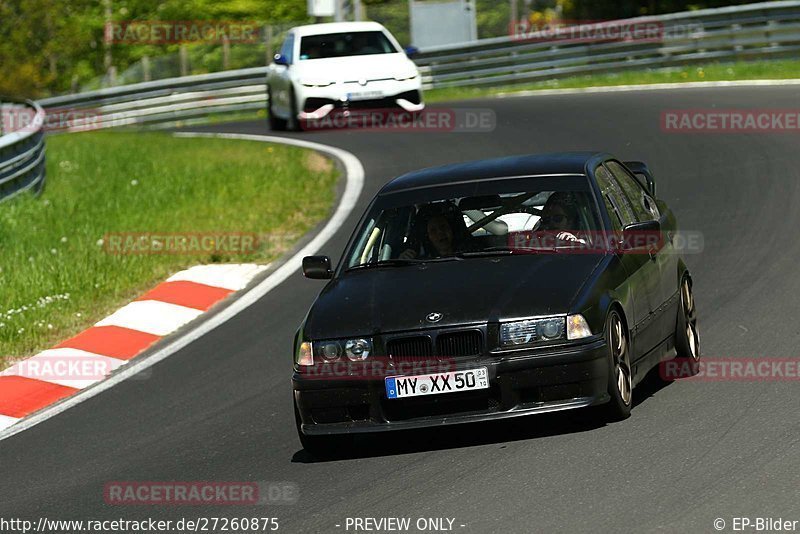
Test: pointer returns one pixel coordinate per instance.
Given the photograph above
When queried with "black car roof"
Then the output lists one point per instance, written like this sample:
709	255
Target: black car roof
531	165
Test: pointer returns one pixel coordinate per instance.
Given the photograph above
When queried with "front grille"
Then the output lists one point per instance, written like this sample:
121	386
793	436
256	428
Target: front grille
313	104
410	348
455	344
385	103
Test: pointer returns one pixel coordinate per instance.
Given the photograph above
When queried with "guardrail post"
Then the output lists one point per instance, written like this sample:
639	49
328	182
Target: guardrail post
183	56
226	53
146	68
772	25
268	43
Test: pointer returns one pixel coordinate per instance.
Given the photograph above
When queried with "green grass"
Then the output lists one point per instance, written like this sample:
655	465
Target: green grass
760	70
56	276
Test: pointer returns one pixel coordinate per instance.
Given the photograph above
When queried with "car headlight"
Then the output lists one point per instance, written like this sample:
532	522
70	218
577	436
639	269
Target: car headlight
329	351
531	331
357	350
316	83
577	327
404	77
305	354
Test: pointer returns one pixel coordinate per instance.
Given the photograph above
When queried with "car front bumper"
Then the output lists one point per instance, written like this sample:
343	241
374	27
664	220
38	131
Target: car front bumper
526	383
319	102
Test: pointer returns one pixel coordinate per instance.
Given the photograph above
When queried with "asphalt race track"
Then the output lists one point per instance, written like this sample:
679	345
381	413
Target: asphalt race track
221	410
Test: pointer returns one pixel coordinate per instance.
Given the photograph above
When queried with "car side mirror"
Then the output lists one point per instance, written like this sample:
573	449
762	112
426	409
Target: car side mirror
317	267
280	59
643	175
411	51
645	235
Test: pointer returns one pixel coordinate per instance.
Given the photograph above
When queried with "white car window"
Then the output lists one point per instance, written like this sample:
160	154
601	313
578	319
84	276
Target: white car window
333	45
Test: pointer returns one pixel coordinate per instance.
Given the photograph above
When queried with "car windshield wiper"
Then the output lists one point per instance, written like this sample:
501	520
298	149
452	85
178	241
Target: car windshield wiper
495	251
400	261
387	263
508	251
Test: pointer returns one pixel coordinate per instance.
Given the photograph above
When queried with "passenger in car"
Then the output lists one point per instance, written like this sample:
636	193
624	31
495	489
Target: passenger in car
560	215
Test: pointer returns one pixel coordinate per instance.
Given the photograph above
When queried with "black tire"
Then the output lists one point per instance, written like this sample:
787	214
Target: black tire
620	371
276	124
294	124
687	337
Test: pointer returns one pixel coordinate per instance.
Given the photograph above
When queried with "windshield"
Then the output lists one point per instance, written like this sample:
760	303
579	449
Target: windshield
345	44
464	226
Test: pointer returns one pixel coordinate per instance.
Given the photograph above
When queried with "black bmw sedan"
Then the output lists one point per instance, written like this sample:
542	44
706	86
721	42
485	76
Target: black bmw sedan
494	289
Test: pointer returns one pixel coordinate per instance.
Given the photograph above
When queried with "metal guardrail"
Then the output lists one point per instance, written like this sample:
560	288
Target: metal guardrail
765	30
161	101
22	151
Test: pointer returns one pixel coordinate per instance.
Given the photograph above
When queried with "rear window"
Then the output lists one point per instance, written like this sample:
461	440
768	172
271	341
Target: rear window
345	44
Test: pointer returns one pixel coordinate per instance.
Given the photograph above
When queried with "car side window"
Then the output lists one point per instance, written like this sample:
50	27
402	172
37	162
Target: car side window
619	210
287	50
643	204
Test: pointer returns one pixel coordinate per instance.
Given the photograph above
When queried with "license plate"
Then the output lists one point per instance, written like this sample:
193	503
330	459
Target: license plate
364	95
399	387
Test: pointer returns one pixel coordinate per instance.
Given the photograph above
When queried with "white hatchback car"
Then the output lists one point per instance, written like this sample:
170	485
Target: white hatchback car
340	66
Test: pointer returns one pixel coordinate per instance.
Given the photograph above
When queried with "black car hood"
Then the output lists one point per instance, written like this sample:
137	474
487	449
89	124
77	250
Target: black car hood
475	290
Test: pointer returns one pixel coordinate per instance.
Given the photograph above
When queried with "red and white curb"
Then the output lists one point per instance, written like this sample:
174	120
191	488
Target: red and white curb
354	185
79	362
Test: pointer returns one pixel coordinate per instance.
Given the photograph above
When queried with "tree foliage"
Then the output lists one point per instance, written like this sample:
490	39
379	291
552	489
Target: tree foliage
55	46
51	46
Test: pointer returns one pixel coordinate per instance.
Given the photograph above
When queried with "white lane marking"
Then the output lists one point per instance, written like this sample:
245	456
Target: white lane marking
354	176
6	421
73	368
151	316
648	87
234	277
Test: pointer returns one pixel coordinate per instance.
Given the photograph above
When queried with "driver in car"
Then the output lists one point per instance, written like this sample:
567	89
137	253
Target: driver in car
438	236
